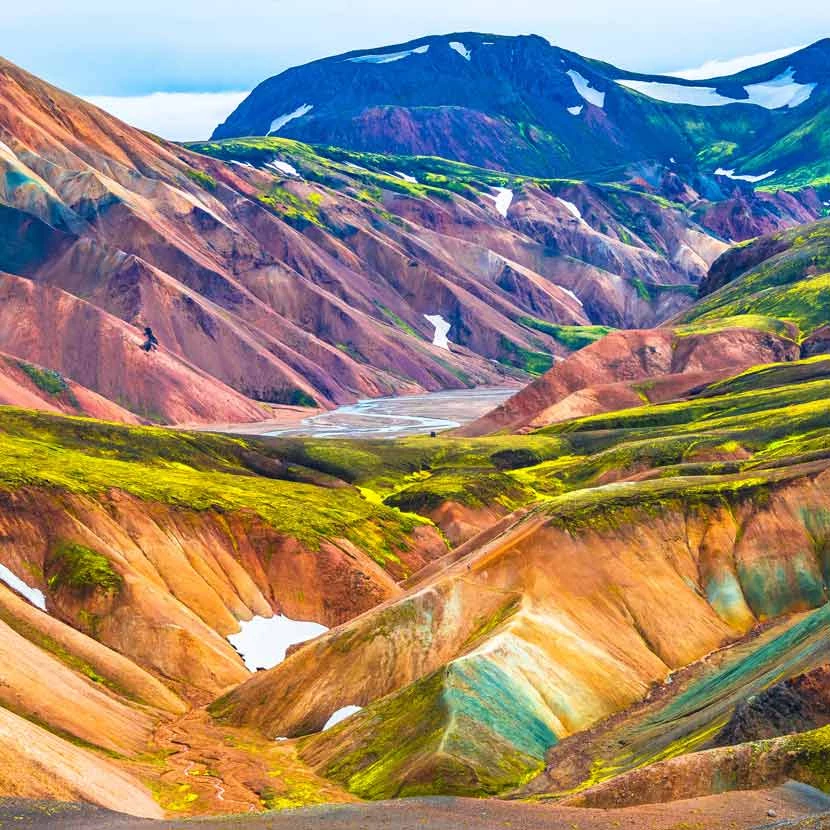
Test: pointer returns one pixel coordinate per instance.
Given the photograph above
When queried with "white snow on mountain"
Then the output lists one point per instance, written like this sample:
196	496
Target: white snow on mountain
389	57
576	110
263	641
284	167
503	200
571	207
442	329
731	174
461	49
278	123
781	91
586	91
568	292
406	177
32	594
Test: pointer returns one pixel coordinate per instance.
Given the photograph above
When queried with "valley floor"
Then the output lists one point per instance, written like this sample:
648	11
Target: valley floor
391	417
730	811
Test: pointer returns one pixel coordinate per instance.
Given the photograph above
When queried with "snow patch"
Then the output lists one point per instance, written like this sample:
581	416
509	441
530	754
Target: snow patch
576	110
442	329
341	715
389	57
503	200
406	177
568	292
15	583
462	50
572	208
278	123
284	167
583	86
696	96
263	642
781	91
731	174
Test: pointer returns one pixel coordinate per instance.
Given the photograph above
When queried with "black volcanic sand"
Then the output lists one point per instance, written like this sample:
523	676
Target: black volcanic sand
730	811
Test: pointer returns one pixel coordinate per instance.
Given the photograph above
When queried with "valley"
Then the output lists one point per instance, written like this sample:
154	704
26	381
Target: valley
446	442
398	417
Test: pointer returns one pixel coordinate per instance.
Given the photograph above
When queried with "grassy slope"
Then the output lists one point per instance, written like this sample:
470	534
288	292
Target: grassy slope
197	471
791	286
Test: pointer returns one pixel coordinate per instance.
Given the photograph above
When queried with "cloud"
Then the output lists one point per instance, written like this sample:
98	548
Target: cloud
176	116
721	67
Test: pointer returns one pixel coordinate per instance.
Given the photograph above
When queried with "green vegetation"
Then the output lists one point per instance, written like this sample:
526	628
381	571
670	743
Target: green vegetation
572	337
532	362
758	322
294	209
204	180
80	568
467	729
48	381
194	471
785	278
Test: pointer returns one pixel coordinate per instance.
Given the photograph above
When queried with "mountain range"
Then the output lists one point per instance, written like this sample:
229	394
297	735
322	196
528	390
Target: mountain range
523	105
602	604
276	272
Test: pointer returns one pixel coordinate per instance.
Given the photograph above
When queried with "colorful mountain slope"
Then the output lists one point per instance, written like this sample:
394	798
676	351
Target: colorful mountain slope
715	505
478	668
294	275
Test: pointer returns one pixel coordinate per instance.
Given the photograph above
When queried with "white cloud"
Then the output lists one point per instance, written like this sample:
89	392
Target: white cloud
720	67
177	116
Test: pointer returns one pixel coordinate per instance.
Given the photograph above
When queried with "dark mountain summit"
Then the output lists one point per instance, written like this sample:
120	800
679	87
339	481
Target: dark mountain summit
521	104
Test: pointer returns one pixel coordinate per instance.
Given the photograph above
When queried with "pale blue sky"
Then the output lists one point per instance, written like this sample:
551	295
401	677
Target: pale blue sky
124	47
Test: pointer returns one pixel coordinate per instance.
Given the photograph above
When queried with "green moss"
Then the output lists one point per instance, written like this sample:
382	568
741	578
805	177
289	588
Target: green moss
204	180
198	472
470	487
534	363
396	321
80	568
47	380
572	337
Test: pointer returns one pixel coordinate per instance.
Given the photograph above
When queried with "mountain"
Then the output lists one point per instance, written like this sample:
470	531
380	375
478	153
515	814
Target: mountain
632	594
619	615
274	273
521	104
603	604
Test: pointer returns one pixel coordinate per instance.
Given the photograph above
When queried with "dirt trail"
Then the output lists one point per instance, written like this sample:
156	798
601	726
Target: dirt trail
730	811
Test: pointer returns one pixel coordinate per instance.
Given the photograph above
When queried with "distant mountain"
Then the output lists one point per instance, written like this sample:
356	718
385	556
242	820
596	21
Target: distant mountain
520	104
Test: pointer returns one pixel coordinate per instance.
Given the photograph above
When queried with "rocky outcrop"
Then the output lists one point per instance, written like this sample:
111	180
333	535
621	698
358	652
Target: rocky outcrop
798	704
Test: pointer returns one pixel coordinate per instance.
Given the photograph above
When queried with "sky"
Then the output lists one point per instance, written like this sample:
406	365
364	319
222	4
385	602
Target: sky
131	49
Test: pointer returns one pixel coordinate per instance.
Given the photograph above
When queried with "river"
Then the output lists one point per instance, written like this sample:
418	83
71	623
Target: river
400	416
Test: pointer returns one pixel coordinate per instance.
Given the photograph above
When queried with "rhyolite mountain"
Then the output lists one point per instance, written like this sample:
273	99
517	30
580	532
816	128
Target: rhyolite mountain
625	610
521	104
609	597
273	272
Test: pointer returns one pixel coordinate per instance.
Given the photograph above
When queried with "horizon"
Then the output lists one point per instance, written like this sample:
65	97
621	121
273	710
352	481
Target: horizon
165	78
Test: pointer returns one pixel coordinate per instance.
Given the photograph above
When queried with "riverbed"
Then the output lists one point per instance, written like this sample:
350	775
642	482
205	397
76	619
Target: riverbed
401	416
